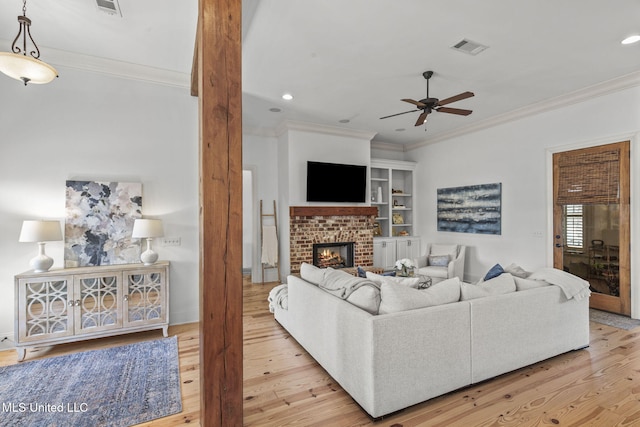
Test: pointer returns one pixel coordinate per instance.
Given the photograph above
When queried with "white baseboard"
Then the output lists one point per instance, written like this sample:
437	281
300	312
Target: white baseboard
7	344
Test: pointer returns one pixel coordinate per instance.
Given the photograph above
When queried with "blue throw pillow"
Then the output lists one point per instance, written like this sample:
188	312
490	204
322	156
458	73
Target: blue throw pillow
361	272
495	271
389	273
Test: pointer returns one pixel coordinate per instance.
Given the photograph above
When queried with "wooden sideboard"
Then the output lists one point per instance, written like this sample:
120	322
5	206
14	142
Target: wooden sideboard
74	304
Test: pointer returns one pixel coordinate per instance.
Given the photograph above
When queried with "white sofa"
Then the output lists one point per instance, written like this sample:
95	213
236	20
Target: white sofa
388	362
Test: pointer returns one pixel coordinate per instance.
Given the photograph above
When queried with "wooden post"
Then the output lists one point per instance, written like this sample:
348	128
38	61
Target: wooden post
220	94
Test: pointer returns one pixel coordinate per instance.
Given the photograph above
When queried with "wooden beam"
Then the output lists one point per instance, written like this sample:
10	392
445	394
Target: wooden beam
220	108
194	65
333	210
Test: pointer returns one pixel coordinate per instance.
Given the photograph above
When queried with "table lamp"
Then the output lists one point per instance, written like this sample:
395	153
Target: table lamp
147	229
41	232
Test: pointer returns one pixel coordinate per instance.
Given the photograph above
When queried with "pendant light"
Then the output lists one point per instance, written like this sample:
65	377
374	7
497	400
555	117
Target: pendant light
18	64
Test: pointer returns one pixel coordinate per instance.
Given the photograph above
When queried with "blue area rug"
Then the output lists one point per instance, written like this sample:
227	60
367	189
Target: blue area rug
118	386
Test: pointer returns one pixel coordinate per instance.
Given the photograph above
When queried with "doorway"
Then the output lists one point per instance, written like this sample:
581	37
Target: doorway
591	221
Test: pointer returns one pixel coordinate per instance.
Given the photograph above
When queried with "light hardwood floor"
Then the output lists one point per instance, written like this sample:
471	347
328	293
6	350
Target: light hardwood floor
284	386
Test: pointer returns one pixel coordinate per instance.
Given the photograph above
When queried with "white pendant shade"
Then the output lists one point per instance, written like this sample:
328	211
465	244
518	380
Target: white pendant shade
40	231
27	69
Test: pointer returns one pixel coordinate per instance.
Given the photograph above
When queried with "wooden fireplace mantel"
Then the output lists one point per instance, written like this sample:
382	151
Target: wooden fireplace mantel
333	211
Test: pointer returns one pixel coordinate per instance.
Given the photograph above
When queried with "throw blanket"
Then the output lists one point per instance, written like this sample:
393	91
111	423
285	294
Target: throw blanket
269	245
278	296
342	284
572	286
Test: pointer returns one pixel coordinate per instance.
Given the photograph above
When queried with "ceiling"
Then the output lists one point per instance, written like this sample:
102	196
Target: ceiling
354	60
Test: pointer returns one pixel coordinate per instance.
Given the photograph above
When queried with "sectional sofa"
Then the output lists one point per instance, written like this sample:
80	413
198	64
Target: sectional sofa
427	342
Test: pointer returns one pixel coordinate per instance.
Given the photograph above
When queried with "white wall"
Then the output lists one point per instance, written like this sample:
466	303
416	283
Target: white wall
259	154
517	154
96	127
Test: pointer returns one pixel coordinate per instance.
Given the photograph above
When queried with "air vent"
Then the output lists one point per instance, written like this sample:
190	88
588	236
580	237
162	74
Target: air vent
468	46
109	6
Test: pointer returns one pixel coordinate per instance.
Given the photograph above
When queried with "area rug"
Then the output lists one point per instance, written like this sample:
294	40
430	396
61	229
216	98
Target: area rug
118	386
611	319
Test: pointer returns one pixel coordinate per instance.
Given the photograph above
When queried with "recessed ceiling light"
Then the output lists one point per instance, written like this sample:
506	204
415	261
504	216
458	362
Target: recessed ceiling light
275	110
631	39
287	97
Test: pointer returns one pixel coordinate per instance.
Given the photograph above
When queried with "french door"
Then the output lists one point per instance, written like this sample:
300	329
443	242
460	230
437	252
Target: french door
591	221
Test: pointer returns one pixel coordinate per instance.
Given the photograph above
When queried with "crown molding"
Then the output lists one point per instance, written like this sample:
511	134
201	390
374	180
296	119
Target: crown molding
110	67
288	125
604	88
379	145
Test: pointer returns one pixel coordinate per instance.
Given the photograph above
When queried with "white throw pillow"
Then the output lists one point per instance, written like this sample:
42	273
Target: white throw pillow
503	284
524	284
311	273
412	282
516	271
366	298
395	297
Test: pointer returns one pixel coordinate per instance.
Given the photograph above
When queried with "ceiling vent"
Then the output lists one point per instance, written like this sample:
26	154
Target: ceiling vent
109	6
468	46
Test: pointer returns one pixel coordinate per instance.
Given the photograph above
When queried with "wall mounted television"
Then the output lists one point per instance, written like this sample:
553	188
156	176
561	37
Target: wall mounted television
335	182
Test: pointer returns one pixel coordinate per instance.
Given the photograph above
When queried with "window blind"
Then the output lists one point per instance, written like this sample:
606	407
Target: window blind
589	178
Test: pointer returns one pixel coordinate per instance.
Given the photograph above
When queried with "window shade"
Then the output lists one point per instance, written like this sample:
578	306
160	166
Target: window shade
589	178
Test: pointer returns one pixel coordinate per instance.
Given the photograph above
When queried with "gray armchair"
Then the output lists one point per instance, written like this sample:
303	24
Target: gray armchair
441	262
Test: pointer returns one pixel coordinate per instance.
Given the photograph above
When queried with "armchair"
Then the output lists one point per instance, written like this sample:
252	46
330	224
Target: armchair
441	262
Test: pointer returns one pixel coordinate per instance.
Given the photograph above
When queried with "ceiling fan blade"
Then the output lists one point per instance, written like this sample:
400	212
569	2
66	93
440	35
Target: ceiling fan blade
411	101
422	118
458	111
460	96
393	115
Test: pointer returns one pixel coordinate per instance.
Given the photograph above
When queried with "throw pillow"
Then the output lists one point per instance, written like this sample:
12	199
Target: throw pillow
524	284
516	271
412	282
366	298
495	271
395	297
311	273
361	272
502	284
439	260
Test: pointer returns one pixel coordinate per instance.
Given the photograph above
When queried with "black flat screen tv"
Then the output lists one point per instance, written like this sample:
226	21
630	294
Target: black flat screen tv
334	182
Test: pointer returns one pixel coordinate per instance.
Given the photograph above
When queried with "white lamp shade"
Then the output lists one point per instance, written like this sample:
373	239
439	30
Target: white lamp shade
144	228
20	67
40	231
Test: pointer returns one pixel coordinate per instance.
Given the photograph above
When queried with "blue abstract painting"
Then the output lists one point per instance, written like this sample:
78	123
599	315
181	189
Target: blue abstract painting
471	209
99	223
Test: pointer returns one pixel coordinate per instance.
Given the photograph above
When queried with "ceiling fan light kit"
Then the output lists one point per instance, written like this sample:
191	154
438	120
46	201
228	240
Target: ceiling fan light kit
20	66
428	104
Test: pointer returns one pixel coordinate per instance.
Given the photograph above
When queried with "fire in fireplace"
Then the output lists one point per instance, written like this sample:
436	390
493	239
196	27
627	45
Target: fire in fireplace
335	255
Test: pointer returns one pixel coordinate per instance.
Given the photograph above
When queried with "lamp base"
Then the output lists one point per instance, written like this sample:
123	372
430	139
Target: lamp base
41	263
148	257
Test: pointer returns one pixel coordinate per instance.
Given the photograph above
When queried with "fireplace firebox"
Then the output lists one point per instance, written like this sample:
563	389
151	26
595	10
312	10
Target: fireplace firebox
334	254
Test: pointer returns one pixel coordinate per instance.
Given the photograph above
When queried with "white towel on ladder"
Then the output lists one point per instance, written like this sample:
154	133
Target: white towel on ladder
269	245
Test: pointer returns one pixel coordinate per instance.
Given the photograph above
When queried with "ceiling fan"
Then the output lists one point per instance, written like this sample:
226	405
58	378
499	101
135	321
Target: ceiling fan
428	104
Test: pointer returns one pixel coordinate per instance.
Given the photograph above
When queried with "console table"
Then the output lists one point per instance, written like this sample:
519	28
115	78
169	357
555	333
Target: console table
75	304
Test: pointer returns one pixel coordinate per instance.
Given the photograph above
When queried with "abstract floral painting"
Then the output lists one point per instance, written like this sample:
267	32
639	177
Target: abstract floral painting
471	209
99	222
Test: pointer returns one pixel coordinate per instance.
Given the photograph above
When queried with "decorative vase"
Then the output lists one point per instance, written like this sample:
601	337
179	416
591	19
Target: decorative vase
379	194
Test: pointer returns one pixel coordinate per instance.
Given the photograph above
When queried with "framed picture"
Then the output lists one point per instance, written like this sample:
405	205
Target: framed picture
472	209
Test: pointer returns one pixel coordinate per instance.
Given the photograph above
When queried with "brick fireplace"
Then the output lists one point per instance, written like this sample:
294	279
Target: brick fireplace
309	225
